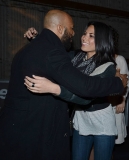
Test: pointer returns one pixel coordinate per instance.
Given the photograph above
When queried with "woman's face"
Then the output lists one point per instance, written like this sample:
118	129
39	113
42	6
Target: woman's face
88	40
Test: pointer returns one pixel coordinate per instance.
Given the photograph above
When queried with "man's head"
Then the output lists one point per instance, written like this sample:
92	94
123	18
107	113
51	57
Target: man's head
61	24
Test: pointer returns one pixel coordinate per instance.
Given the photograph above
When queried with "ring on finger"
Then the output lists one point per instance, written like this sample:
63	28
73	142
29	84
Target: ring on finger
33	84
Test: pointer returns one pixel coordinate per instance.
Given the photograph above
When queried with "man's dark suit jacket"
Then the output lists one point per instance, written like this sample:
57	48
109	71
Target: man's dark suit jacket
35	126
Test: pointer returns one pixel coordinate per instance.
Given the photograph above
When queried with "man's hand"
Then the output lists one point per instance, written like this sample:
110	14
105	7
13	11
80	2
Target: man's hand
31	33
123	77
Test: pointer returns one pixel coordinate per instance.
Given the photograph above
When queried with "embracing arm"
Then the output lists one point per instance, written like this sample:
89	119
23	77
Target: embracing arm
43	85
89	85
69	96
31	33
61	70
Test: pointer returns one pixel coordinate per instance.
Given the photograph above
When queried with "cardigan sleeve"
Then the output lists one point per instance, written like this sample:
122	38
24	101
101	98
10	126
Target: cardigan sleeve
70	97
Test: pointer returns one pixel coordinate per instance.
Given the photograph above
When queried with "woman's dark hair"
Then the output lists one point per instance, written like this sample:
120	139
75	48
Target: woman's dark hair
104	43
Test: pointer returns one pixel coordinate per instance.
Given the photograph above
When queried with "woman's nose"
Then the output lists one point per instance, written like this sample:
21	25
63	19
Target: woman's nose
85	37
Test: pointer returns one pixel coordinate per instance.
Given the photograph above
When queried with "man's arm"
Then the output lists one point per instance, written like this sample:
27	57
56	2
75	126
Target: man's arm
44	85
69	96
61	70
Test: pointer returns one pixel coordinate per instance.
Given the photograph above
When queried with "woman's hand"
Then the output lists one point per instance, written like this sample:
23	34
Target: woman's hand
41	85
31	33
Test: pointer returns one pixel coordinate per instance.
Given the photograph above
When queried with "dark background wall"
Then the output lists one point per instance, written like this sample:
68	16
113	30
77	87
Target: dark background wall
17	16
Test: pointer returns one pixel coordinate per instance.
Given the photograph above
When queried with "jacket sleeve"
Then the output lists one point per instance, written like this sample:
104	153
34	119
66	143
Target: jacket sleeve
70	97
61	71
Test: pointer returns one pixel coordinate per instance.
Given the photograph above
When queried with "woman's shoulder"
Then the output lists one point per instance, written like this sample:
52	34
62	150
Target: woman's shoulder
106	67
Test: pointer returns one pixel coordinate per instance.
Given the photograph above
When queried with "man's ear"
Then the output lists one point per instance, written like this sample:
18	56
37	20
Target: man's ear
60	29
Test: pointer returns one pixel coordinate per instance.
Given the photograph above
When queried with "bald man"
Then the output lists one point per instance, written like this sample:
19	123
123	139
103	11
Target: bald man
36	126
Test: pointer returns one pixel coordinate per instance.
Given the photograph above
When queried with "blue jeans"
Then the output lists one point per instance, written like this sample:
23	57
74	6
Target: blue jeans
82	145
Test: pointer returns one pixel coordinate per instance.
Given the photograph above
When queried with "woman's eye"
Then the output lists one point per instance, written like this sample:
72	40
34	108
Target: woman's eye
92	36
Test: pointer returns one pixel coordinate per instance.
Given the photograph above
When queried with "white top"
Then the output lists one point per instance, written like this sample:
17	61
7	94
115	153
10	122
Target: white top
98	122
120	118
121	64
95	123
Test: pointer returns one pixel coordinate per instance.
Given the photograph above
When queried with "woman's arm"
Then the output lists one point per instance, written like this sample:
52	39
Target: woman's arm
43	85
31	33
